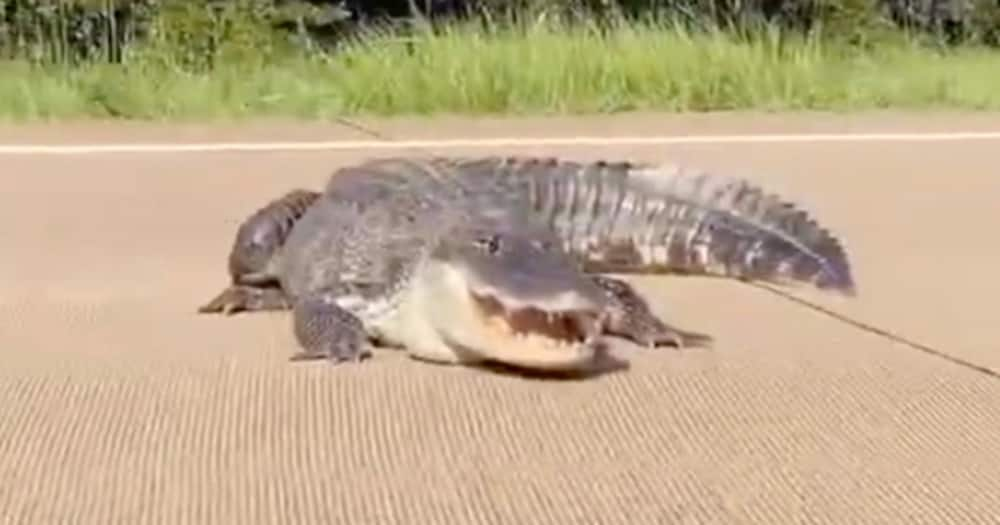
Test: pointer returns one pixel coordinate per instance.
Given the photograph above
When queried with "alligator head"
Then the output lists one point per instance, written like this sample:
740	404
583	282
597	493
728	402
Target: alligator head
502	290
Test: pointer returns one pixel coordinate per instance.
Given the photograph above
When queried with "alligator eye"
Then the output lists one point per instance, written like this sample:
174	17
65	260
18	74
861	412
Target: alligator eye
491	244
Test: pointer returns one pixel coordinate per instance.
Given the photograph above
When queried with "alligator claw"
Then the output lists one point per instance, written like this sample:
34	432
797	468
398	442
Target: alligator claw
327	331
352	355
633	319
241	298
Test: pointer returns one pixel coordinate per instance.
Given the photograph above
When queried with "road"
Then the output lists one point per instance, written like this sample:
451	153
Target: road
120	404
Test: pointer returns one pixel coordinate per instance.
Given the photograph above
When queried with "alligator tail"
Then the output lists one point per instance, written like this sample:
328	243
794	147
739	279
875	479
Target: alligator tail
642	218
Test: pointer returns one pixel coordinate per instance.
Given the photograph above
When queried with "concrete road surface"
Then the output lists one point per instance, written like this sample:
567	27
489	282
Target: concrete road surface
119	405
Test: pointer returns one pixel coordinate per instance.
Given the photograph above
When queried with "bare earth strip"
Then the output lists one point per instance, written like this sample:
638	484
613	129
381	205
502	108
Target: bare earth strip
119	404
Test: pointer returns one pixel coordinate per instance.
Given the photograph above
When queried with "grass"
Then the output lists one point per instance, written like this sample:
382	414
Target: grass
529	69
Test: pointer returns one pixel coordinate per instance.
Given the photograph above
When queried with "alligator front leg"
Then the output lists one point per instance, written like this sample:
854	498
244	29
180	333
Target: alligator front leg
324	330
633	319
247	298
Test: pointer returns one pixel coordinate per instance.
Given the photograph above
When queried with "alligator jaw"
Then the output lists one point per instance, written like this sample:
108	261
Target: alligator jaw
534	336
448	316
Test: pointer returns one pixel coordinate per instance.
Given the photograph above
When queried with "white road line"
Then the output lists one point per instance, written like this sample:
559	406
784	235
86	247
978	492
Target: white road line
653	140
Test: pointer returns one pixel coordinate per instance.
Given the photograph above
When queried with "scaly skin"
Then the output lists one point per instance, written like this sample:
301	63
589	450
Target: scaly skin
255	286
614	217
450	275
644	218
259	237
254	281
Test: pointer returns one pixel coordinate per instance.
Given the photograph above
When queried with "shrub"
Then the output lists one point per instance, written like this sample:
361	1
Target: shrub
196	34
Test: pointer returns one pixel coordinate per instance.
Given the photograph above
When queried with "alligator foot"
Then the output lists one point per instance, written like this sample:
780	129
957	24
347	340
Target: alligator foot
327	331
240	298
633	319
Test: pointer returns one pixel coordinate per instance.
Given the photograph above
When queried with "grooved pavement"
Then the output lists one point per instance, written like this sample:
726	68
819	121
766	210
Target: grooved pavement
119	404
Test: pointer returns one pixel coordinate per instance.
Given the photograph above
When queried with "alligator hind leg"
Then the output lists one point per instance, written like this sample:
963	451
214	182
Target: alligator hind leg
247	298
258	241
324	330
633	319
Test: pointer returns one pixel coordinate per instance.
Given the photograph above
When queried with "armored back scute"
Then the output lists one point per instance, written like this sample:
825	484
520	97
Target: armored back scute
640	218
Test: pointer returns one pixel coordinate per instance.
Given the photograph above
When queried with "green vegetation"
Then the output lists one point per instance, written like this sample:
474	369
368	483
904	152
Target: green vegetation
237	65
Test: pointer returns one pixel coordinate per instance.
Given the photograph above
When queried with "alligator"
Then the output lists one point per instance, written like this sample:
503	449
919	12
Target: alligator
607	217
451	273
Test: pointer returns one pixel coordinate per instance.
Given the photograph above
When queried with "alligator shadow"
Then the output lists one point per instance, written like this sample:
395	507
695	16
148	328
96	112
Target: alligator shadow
605	363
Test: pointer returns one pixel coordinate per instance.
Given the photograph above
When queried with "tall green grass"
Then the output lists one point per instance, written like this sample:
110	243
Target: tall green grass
528	68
